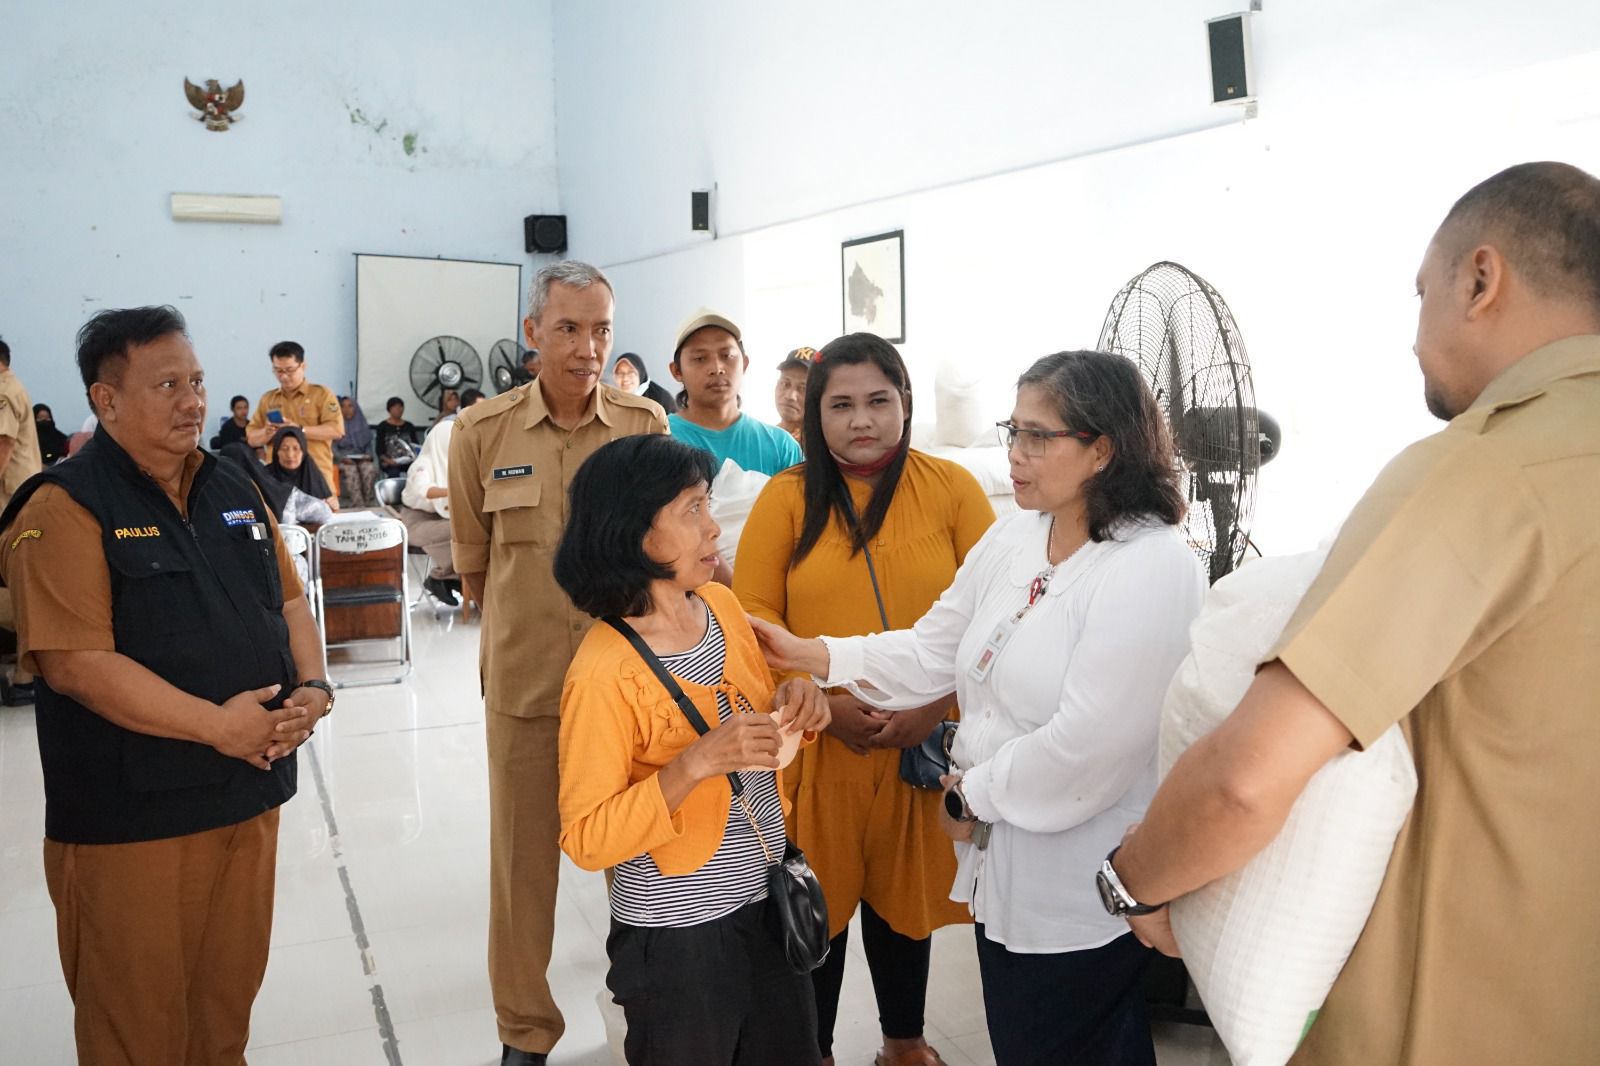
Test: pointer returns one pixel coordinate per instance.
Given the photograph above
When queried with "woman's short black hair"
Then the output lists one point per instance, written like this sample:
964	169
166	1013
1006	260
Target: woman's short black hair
615	497
391	401
104	340
1104	394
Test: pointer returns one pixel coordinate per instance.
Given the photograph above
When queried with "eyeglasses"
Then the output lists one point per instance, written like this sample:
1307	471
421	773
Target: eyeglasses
1034	441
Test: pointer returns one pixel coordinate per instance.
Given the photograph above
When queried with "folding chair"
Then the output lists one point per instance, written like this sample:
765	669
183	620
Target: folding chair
345	581
388	491
297	541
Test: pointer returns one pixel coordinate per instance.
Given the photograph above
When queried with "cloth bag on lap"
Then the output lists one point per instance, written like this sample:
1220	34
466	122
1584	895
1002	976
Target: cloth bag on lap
1264	944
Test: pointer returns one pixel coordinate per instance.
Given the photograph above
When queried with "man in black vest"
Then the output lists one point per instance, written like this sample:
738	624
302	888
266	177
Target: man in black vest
179	668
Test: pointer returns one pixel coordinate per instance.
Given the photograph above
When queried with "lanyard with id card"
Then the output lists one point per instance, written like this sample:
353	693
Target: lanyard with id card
1008	626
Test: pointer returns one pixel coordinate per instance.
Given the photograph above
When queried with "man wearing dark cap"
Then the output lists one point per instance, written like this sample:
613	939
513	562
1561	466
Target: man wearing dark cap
789	396
709	360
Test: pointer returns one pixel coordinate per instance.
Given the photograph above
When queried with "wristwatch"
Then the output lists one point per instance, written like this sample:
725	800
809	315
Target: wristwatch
1118	902
955	805
321	686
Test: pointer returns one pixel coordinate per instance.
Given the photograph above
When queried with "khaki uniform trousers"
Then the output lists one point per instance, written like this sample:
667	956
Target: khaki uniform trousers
164	942
524	865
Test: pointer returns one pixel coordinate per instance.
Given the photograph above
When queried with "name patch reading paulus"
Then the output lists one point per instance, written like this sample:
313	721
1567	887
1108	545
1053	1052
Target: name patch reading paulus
124	532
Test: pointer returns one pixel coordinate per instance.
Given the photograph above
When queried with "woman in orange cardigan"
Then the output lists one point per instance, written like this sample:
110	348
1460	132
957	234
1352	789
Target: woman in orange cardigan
864	499
700	977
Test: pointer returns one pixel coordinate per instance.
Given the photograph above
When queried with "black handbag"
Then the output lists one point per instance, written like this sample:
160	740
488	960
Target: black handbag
796	912
920	766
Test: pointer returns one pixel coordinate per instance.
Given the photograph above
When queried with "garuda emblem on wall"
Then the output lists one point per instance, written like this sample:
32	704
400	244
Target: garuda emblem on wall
215	104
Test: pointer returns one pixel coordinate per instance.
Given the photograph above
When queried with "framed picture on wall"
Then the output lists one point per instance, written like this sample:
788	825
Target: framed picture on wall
873	284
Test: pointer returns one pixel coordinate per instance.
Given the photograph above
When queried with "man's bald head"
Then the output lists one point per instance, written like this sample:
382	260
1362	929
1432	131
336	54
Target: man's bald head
1545	220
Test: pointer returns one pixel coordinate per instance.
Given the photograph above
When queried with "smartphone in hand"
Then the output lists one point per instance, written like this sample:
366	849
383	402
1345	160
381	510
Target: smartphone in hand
275	417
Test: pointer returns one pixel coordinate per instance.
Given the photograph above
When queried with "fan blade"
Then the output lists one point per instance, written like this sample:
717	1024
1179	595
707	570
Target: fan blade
433	386
468	381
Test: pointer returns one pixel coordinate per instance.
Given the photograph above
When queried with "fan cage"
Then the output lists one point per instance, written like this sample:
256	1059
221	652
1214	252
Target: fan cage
432	355
1175	326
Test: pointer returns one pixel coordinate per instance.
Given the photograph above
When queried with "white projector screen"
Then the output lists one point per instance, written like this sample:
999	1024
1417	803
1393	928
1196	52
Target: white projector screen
402	301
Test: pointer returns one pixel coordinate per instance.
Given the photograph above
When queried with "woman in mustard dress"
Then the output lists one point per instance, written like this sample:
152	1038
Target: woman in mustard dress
863	495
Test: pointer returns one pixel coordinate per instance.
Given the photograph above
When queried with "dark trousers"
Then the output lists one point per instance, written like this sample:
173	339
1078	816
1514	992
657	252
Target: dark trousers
719	993
1074	1008
899	968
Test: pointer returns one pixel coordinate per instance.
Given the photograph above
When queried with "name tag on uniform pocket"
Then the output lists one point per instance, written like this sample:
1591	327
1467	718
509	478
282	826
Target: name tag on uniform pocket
258	531
503	472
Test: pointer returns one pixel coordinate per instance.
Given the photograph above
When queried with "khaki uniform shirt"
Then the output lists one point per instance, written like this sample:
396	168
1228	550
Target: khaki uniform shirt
510	468
309	405
16	422
1462	599
53	559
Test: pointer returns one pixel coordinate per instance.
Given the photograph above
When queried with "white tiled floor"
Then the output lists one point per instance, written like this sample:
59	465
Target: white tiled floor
402	780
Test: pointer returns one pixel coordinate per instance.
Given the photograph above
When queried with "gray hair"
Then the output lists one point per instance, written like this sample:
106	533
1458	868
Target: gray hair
567	272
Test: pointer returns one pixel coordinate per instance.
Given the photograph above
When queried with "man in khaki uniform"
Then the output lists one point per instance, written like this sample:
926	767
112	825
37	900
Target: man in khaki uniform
19	437
511	461
1462	599
314	408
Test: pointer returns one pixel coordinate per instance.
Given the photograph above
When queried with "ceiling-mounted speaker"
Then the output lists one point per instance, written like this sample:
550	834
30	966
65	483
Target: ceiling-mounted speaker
1232	73
700	209
545	234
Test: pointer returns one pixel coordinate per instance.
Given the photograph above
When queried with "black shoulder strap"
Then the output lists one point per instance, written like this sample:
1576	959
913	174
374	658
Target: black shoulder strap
872	571
670	683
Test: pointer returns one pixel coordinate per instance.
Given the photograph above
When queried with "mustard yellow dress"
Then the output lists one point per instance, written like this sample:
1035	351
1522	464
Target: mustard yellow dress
868	834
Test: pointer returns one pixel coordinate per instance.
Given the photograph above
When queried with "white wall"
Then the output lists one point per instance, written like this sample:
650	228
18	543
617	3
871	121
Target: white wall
1310	219
96	134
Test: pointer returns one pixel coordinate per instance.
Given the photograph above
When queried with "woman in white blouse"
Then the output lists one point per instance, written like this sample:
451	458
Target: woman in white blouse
1058	636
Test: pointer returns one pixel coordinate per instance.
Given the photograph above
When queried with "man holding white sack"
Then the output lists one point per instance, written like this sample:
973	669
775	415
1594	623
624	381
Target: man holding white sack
1462	600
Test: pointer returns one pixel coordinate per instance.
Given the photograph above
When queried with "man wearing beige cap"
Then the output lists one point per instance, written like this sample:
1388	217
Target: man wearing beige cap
709	361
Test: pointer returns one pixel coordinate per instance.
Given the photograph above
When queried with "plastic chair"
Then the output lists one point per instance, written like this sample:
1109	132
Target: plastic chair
349	539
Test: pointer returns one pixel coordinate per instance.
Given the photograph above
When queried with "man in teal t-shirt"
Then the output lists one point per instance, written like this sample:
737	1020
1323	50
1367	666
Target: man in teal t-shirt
709	361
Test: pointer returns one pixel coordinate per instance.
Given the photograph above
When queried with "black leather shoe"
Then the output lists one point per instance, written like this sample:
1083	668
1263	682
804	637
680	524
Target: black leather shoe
510	1056
446	595
19	695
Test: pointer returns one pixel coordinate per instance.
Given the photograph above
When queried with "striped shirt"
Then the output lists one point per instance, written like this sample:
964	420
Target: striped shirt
642	895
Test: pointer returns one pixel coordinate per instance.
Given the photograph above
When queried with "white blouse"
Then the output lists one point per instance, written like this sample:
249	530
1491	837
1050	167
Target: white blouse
1058	737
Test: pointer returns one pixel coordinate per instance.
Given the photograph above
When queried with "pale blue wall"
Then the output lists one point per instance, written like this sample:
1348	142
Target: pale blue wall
95	134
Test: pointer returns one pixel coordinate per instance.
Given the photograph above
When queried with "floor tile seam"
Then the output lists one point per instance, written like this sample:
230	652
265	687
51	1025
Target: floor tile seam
369	967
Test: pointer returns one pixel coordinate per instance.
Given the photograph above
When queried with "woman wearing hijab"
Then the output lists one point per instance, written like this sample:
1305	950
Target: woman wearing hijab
52	442
630	375
354	456
288	503
288	464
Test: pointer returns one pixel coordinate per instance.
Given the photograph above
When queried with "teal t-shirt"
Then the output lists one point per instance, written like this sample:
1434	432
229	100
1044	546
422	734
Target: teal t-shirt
752	445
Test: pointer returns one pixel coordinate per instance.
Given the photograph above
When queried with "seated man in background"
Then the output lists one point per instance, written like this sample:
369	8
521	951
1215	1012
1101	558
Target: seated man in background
530	363
426	505
709	361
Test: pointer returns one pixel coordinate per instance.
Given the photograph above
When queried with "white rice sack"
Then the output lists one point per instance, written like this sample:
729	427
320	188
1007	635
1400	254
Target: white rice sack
1264	944
733	494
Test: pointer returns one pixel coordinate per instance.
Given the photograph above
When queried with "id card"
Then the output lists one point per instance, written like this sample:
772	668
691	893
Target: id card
991	649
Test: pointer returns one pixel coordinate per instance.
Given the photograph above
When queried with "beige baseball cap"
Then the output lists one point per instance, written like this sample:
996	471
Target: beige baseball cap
700	320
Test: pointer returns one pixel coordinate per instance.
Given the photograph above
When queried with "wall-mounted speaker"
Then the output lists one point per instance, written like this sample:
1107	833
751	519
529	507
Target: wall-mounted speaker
1232	74
545	234
700	209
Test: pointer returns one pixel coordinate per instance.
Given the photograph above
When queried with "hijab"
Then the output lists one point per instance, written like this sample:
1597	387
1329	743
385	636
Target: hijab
275	492
357	434
644	375
308	479
52	442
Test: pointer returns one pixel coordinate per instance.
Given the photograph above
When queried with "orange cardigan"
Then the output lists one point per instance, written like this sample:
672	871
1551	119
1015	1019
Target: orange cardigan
619	727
